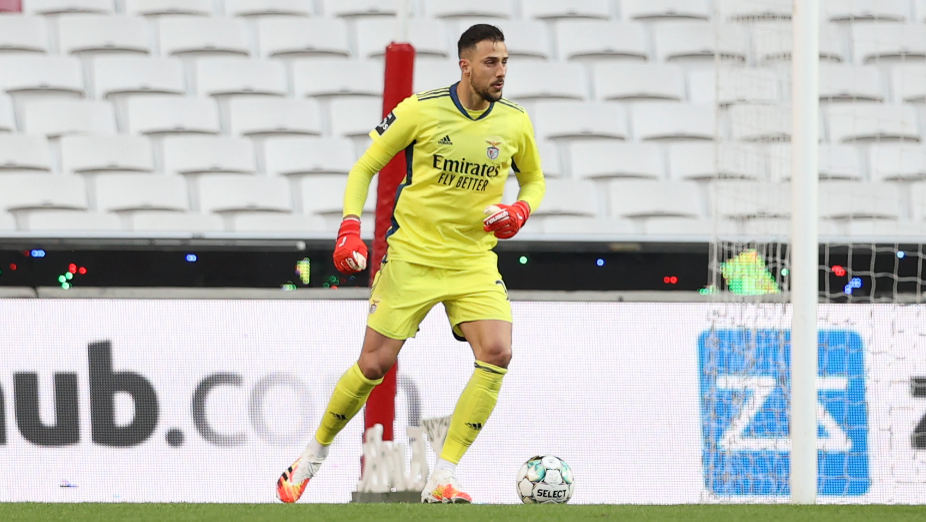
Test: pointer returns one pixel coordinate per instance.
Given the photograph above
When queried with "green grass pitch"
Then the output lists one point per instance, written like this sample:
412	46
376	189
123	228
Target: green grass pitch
484	512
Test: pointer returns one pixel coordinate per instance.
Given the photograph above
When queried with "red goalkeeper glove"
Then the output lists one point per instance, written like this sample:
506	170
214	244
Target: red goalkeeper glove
506	220
350	252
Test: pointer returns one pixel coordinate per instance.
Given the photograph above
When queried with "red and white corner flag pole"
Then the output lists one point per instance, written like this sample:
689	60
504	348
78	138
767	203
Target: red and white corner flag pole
400	62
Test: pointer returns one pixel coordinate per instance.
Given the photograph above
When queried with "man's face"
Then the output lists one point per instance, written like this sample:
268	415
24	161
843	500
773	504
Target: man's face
487	65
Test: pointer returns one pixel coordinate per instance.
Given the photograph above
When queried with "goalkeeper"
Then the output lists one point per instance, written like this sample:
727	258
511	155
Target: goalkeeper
460	143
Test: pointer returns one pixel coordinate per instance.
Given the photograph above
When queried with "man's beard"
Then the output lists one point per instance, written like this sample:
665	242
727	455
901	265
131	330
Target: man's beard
485	94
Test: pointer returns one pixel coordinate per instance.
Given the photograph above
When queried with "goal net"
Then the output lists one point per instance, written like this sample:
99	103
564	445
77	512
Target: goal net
871	336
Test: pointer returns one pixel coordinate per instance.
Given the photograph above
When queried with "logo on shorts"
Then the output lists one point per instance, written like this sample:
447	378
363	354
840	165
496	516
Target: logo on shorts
492	149
505	288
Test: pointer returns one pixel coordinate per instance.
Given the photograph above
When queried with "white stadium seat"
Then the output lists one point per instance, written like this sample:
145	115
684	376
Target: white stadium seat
269	8
359	8
751	11
41	74
556	9
440	74
129	75
287	156
708	160
685	227
278	224
601	40
55	118
455	9
165	114
909	82
535	80
323	195
854	199
525	39
879	42
734	85
232	75
187	223
202	36
338	77
284	37
208	154
699	41
7	123
133	192
54	7
758	122
354	117
772	42
23	33
575	227
638	81
120	152
23	192
835	161
918	193
274	116
69	221
550	160
7	222
19	152
862	10
615	159
750	199
168	7
233	193
566	197
840	82
897	161
872	121
673	121
658	10
920	11
573	119
426	35
79	34
652	198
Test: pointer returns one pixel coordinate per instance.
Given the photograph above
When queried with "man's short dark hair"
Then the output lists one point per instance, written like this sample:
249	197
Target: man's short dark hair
476	34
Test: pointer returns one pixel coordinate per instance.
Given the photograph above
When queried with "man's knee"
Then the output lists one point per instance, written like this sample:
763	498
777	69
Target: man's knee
496	353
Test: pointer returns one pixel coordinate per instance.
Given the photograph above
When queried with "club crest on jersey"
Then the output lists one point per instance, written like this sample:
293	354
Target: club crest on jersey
492	149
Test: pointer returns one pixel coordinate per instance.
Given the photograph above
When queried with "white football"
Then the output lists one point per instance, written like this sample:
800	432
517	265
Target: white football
545	479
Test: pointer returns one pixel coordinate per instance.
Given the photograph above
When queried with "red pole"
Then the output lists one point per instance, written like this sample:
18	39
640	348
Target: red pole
400	62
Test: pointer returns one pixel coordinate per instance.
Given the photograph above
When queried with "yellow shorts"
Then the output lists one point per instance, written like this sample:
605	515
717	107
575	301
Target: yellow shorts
403	293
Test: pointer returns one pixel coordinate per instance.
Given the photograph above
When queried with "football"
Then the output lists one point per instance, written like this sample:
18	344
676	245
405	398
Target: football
545	479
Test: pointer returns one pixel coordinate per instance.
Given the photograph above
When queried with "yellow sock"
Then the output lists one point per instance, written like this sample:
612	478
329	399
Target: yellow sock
473	409
349	395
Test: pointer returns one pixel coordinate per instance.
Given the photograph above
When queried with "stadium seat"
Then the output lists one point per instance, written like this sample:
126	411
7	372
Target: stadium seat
577	228
428	36
277	224
749	199
359	8
871	121
672	121
897	161
550	160
7	123
566	197
673	228
920	11
55	7
20	193
288	156
323	195
208	154
629	82
202	36
600	40
439	74
92	154
24	152
133	192
236	76
908	82
699	41
758	122
879	42
877	230
39	74
442	9
840	82
573	119
154	8
301	8
835	161
274	116
652	198
525	39
779	10
615	159
853	199
166	114
710	160
81	33
23	34
290	37
865	10
918	193
171	222
222	193
69	221
7	222
659	10
55	118
338	77
535	80
354	117
729	85
118	76
772	42
555	9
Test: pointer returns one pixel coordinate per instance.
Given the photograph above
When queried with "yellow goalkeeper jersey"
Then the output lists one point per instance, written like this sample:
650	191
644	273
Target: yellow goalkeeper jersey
457	164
